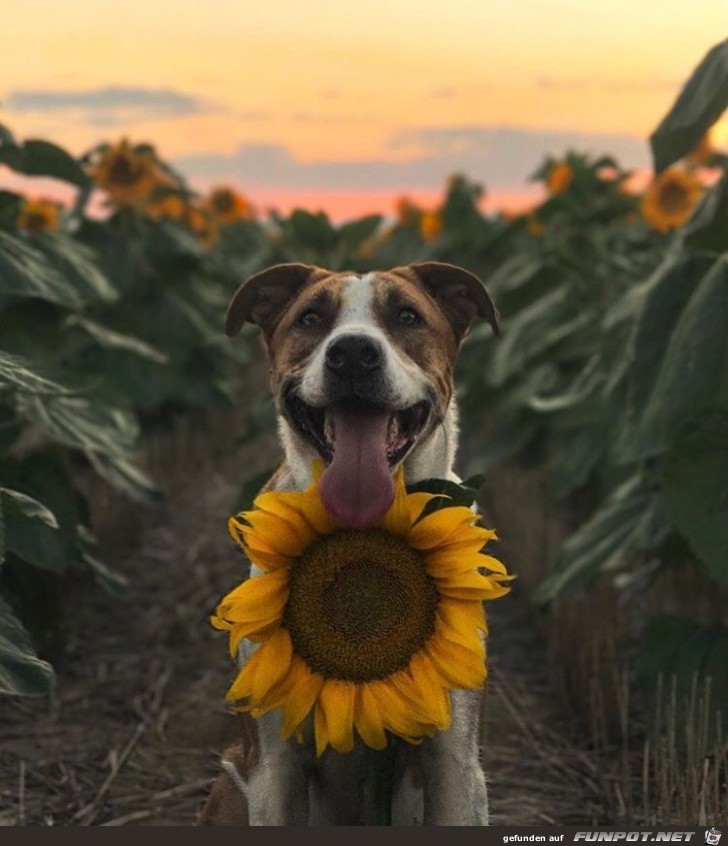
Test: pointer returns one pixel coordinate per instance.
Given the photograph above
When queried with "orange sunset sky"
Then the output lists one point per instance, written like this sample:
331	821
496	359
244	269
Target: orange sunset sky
344	106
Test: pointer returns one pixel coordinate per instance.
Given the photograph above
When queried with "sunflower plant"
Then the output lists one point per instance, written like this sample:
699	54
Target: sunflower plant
366	631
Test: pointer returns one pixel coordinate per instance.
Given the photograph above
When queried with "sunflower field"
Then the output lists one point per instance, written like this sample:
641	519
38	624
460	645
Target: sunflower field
609	383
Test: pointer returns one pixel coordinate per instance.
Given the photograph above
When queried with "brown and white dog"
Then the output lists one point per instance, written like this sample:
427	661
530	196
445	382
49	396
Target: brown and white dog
362	376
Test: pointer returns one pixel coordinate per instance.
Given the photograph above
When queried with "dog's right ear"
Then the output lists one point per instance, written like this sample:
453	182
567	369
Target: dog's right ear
262	298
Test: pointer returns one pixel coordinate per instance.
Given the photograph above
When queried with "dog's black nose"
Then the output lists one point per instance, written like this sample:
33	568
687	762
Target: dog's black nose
354	356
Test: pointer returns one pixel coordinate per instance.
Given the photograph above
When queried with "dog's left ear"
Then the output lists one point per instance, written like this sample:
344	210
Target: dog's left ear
262	298
458	292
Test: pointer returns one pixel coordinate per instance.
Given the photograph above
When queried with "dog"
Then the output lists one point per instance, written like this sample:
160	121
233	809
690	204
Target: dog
362	373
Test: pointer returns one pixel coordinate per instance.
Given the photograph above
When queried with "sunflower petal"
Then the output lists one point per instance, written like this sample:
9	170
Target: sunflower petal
261	597
273	531
315	512
368	720
454	558
398	714
302	694
220	624
336	701
274	666
434	529
299	510
470	586
461	622
241	686
427	686
460	667
266	559
396	521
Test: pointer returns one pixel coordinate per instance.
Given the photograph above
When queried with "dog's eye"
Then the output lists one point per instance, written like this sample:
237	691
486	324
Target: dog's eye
408	316
309	319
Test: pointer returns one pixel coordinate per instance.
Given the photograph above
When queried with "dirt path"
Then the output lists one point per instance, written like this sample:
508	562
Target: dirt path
133	731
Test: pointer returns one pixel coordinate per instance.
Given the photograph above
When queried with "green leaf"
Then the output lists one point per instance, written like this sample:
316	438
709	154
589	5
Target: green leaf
664	297
513	424
109	339
353	233
629	522
125	476
693	375
312	230
696	492
41	158
686	656
707	227
6	136
524	335
82	423
30	507
78	265
449	493
700	103
42	476
586	383
110	580
26	272
20	375
10	206
22	673
2	536
574	454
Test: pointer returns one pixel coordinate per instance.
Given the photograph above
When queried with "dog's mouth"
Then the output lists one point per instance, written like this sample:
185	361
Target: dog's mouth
361	442
319	425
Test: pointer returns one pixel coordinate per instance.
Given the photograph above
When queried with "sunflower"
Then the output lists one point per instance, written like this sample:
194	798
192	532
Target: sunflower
670	199
168	207
39	216
127	173
430	225
559	177
228	205
365	630
201	222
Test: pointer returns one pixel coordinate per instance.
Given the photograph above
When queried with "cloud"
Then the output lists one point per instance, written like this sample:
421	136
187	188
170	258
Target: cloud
612	85
109	106
498	157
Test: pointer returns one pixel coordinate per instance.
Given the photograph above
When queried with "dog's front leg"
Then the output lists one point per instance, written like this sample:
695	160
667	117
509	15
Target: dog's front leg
454	783
277	789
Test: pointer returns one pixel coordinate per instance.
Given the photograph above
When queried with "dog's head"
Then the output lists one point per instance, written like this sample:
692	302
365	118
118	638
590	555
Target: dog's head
361	366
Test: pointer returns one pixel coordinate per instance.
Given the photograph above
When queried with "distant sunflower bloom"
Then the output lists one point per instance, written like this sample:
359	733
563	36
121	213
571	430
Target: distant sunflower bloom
201	222
670	199
365	630
430	225
559	178
126	174
168	207
228	205
38	216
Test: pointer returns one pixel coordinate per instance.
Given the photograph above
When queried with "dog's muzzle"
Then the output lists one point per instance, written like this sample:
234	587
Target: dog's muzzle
354	367
360	430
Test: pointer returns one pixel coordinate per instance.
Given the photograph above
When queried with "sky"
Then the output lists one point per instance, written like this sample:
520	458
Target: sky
345	106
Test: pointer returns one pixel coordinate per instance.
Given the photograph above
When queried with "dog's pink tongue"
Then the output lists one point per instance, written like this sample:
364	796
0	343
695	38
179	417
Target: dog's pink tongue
357	487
